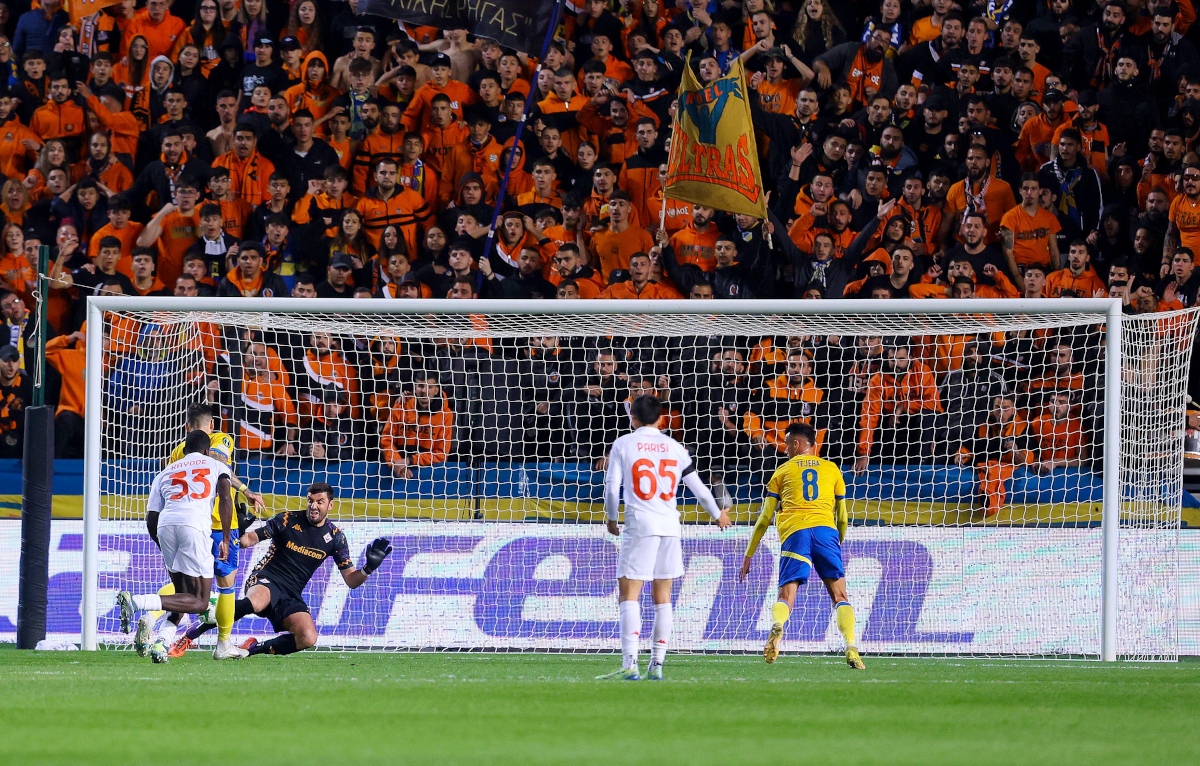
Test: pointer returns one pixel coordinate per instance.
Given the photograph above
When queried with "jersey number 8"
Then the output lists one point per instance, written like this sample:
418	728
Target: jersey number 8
643	471
808	484
199	475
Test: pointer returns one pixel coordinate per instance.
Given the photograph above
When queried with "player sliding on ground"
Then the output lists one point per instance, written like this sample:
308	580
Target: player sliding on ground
300	543
648	466
810	495
178	518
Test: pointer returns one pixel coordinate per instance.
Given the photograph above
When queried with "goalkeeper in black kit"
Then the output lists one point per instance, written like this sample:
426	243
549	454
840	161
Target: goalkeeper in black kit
300	543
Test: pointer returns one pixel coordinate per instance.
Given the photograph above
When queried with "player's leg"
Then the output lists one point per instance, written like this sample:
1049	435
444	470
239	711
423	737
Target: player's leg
667	567
187	586
827	560
288	613
635	565
663	621
795	565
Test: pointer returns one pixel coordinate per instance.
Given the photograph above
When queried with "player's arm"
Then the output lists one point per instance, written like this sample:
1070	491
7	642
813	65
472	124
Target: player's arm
842	515
377	551
154	508
225	511
612	491
252	537
841	509
760	529
705	497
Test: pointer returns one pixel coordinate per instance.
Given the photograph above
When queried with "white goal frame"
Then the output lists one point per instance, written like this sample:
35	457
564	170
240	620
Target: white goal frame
1106	310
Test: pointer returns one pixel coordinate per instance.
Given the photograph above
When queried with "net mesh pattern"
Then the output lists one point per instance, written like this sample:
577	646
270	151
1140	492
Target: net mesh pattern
972	446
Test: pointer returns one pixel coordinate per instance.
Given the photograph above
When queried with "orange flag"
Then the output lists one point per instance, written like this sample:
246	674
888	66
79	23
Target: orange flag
81	9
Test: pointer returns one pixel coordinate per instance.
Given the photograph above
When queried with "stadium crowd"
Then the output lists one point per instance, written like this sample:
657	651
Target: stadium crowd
910	149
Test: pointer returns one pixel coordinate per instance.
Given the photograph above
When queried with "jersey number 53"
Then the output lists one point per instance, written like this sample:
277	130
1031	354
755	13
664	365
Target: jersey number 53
199	477
645	478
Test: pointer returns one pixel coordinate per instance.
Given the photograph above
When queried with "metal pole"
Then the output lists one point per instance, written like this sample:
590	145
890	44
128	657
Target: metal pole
94	381
37	481
39	365
1111	519
487	247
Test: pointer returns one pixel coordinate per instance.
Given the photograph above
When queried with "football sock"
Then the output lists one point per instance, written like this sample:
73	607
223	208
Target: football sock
631	631
661	633
241	608
166	633
199	629
226	601
285	644
780	612
845	620
166	590
151	602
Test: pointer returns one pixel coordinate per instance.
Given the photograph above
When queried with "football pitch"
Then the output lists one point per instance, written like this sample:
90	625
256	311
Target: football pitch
328	707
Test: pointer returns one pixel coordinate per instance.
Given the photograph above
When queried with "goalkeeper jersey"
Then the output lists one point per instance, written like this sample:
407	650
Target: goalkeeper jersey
807	488
220	447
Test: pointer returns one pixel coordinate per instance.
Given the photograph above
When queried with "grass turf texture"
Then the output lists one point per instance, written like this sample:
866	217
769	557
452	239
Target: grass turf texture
114	707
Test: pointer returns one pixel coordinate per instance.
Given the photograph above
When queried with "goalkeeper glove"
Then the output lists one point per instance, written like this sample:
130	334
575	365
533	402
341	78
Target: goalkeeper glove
377	551
244	518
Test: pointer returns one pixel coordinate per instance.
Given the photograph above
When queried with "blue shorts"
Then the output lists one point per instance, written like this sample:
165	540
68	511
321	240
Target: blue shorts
806	549
223	568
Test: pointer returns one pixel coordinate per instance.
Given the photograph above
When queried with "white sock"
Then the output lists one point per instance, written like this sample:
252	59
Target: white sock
631	632
661	634
166	632
148	602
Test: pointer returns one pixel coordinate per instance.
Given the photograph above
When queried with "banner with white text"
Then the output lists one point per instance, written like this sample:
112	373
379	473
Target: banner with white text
465	585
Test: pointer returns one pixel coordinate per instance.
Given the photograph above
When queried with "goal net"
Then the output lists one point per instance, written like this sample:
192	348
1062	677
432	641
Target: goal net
978	439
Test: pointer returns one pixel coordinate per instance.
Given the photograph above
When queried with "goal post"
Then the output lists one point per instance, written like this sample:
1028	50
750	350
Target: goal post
956	550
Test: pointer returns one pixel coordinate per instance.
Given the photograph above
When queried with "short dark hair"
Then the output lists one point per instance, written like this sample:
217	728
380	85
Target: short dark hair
197	413
646	409
107	243
322	487
197	441
802	431
209	209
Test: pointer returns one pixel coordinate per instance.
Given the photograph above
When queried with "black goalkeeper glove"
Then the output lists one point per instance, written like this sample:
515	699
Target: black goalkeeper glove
245	519
377	551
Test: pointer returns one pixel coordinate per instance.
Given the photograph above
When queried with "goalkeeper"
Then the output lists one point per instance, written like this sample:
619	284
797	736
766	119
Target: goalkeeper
300	543
810	494
200	418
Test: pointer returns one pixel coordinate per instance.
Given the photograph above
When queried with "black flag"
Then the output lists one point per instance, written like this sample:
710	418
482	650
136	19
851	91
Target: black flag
519	24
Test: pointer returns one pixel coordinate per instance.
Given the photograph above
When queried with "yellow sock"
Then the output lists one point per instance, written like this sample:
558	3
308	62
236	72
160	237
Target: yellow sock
166	590
845	621
225	610
780	612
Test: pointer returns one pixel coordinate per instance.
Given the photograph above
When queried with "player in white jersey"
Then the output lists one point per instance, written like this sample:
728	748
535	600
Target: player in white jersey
179	518
649	465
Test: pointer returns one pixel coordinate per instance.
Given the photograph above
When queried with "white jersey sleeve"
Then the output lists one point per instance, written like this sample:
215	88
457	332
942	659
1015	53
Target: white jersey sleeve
651	466
184	492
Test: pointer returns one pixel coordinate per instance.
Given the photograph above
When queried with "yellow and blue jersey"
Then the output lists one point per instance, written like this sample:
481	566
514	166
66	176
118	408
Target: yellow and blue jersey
220	446
807	489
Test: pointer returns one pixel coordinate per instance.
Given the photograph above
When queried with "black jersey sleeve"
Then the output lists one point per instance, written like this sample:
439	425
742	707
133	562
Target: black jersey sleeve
273	527
341	550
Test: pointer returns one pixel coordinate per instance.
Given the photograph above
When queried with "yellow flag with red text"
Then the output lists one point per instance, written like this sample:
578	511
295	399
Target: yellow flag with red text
81	9
714	159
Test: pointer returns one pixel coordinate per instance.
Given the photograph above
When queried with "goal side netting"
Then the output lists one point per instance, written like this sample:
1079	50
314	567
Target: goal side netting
977	447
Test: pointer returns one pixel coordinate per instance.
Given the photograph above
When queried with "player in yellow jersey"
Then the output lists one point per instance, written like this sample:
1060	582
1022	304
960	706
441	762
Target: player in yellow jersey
200	418
810	496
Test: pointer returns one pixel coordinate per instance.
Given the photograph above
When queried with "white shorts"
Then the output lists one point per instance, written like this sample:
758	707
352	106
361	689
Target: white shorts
650	558
186	550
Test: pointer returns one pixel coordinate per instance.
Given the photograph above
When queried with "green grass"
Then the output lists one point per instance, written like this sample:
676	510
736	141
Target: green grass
334	708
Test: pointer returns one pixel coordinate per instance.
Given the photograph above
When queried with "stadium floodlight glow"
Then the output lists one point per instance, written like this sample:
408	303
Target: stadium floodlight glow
1064	545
